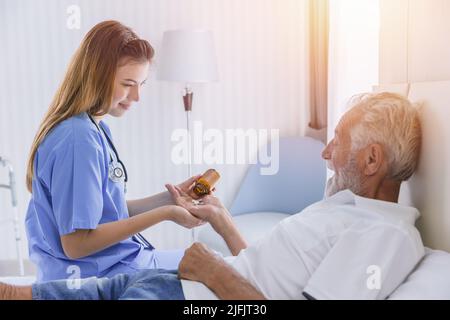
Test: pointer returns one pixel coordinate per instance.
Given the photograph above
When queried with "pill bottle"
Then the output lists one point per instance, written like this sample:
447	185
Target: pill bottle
206	182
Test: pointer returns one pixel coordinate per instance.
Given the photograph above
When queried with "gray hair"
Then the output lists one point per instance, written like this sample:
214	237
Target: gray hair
392	121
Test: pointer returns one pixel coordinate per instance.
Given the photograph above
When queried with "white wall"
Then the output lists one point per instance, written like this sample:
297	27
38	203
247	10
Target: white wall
414	41
414	49
261	53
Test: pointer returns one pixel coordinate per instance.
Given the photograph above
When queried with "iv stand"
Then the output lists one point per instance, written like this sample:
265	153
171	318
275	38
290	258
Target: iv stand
187	101
12	187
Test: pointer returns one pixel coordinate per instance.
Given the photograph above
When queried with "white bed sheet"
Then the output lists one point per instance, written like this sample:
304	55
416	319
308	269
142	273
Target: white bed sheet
429	280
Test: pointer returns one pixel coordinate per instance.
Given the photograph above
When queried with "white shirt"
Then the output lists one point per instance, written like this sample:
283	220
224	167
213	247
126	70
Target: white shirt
344	247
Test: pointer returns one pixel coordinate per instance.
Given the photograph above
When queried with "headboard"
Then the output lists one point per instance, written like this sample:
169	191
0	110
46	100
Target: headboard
429	188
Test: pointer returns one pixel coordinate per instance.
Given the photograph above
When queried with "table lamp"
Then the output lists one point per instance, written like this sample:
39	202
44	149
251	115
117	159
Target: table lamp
188	56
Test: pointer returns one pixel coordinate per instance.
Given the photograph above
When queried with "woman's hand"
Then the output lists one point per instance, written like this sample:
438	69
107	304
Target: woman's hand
208	208
187	187
183	217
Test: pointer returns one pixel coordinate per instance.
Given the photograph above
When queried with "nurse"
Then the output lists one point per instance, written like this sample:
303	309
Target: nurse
78	222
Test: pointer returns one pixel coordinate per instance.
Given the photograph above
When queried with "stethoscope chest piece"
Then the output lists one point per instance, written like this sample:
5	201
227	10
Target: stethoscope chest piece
116	168
116	173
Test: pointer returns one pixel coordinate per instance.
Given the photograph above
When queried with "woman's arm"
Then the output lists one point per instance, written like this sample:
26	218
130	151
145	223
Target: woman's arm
139	206
82	243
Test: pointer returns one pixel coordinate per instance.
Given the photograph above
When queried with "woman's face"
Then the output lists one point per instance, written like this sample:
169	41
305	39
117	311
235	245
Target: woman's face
127	86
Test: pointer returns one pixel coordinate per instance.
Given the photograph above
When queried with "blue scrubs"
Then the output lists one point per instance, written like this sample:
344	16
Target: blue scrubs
72	190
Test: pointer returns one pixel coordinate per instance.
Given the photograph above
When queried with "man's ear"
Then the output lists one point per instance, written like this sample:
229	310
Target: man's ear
374	159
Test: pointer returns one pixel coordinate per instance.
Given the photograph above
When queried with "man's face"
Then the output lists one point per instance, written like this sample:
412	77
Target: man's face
341	159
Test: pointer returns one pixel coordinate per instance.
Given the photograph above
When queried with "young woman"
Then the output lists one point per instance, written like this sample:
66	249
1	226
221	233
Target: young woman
78	221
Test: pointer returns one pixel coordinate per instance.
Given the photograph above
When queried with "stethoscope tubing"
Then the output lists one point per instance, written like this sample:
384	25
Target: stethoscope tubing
111	145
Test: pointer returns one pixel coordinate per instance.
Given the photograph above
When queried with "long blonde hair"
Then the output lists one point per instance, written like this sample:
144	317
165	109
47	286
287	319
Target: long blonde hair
89	81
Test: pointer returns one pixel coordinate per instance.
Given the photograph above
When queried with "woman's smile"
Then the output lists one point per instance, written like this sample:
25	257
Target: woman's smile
124	105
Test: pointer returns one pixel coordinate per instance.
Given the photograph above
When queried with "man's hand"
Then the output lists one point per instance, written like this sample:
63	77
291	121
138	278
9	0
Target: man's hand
183	217
208	208
199	264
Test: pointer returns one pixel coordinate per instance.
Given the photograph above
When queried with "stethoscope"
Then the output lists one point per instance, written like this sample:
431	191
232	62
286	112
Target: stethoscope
117	173
116	169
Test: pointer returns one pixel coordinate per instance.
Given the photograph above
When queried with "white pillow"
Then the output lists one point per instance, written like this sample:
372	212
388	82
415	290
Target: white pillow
19	281
253	226
429	280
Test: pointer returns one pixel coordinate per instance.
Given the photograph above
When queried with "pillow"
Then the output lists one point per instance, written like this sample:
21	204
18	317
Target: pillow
19	281
429	280
252	226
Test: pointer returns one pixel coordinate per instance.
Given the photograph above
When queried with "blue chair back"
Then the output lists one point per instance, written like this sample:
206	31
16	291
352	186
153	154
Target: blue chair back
299	182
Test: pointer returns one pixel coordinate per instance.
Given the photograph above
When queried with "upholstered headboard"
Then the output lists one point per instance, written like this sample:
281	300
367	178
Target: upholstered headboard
429	188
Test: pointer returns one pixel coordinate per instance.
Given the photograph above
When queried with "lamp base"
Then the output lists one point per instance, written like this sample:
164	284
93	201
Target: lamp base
187	99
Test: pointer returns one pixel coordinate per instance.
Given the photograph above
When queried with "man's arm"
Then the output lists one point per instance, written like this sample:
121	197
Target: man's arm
213	211
202	265
223	224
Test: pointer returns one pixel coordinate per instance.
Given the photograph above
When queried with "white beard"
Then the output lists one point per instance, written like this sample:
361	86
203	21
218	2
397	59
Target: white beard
348	178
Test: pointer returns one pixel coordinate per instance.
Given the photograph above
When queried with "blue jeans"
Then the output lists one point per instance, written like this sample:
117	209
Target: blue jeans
152	284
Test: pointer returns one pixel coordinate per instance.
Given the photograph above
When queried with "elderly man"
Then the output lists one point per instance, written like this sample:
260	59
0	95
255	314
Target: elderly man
358	243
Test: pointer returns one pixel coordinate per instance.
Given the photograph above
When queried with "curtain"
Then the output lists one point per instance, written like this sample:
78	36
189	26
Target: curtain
353	53
343	58
318	67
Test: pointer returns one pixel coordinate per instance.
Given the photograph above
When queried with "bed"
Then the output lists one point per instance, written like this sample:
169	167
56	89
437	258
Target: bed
428	190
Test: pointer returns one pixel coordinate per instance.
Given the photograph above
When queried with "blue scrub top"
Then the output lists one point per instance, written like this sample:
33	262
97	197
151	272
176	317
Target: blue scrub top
71	190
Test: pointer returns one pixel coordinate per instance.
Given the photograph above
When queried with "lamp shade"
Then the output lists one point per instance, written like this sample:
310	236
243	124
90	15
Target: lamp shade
188	56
